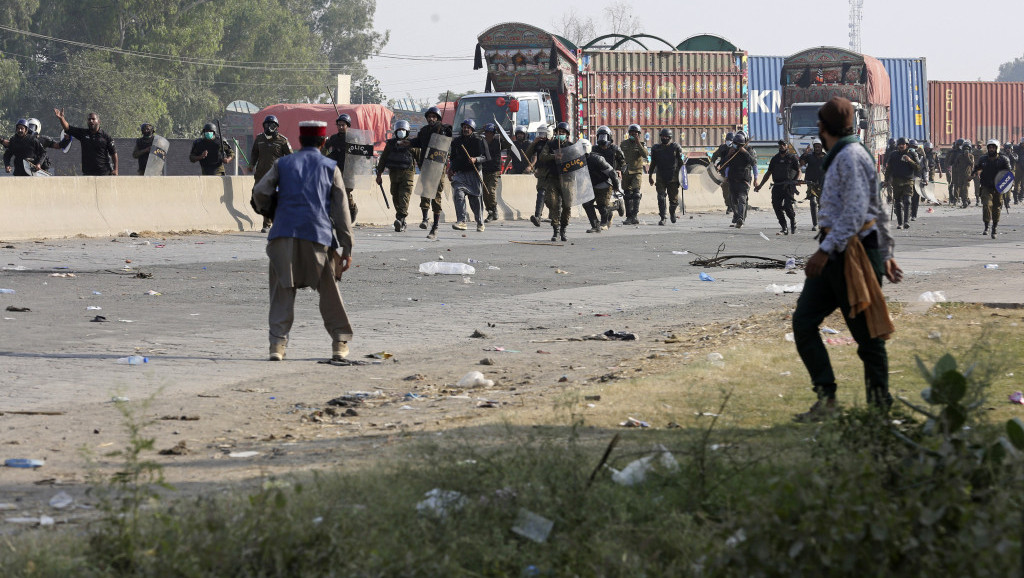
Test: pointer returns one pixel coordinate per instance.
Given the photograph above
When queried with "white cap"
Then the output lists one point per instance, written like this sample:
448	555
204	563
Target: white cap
542	130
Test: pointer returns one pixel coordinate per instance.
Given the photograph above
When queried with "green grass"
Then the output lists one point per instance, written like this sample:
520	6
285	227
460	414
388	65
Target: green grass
755	495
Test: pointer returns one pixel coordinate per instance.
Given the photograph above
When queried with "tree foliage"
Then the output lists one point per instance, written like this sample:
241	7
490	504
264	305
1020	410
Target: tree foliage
1012	71
178	63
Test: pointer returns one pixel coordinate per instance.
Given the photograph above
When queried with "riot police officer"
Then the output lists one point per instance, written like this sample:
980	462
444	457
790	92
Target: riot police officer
520	165
210	152
544	171
492	171
784	169
559	198
901	166
814	176
612	154
740	166
961	166
422	143
143	145
666	161
469	151
604	178
268	146
986	169
397	157
335	149
635	153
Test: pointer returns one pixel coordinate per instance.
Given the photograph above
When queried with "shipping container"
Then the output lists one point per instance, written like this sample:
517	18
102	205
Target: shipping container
765	98
977	111
699	95
908	109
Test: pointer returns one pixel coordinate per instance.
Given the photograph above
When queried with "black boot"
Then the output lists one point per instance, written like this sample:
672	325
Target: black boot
561	234
993	230
554	234
433	230
423	223
672	213
661	211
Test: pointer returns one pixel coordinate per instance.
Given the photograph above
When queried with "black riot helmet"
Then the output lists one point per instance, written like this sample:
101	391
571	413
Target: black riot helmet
902	141
892	142
563	126
470	123
345	119
729	136
665	132
958	143
270	124
739	139
432	111
210	127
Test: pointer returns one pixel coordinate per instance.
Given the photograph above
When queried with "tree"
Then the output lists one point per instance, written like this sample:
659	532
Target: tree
453	95
621	20
575	28
1012	71
367	90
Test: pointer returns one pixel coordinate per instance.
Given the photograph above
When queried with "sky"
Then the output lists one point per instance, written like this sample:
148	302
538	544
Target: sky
950	35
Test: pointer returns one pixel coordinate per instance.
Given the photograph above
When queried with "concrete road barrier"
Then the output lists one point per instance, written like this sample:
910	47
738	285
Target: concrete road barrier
110	206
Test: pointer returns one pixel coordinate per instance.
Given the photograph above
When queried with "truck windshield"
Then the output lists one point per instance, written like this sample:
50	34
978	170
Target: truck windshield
803	119
483	110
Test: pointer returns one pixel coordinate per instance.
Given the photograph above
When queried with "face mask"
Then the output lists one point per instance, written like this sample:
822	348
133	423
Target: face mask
562	137
270	129
400	133
208	135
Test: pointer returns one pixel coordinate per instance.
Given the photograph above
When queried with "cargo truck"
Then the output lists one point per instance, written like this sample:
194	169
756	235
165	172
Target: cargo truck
699	94
813	77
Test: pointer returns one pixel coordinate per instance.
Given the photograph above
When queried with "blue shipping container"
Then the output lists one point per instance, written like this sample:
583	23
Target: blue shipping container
908	113
765	98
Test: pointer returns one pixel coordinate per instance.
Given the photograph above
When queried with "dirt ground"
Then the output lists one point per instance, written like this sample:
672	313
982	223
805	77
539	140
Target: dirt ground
537	311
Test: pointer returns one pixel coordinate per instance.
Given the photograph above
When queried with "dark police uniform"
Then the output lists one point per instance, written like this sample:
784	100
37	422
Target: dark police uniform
492	176
519	166
900	175
784	168
216	152
815	177
97	149
741	172
334	149
397	157
666	160
23	148
144	143
991	201
422	142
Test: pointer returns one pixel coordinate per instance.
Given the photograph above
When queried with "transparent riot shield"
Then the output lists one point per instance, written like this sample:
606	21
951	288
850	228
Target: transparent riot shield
433	165
358	158
157	154
574	175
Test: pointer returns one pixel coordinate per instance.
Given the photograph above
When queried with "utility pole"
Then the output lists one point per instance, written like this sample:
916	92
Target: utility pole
856	15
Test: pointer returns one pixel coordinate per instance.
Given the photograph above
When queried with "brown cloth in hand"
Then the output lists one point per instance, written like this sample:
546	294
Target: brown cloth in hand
864	292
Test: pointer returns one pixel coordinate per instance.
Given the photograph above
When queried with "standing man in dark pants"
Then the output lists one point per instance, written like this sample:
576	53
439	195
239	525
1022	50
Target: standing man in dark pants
900	168
468	152
740	166
922	175
846	271
210	152
810	163
310	243
666	159
397	157
143	145
268	146
99	156
985	170
960	174
784	169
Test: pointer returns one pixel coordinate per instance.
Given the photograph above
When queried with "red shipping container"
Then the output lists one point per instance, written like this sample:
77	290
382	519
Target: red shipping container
975	111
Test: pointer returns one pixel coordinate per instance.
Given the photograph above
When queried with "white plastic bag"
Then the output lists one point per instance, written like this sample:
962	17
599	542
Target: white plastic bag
444	268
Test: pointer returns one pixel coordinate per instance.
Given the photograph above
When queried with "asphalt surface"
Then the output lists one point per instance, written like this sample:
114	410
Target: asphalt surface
207	326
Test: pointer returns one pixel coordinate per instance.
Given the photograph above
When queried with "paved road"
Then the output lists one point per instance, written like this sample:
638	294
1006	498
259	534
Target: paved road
207	328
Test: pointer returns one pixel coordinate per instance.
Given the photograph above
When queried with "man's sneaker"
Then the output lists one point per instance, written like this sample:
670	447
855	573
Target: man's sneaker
820	411
339	350
423	224
276	351
398	226
814	228
535	220
479	227
460	226
784	231
739	225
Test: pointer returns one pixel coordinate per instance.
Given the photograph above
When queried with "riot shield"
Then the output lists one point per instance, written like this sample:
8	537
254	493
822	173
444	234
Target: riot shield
574	175
30	171
1004	181
513	148
433	166
157	154
358	158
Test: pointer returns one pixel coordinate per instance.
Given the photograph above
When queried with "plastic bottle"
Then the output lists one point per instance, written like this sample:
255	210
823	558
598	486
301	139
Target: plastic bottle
133	360
7	291
445	268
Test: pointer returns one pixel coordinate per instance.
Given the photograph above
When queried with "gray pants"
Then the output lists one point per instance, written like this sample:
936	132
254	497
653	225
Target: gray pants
332	309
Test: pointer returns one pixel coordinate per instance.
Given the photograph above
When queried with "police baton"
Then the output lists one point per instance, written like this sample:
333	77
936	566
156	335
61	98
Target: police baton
479	175
385	195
